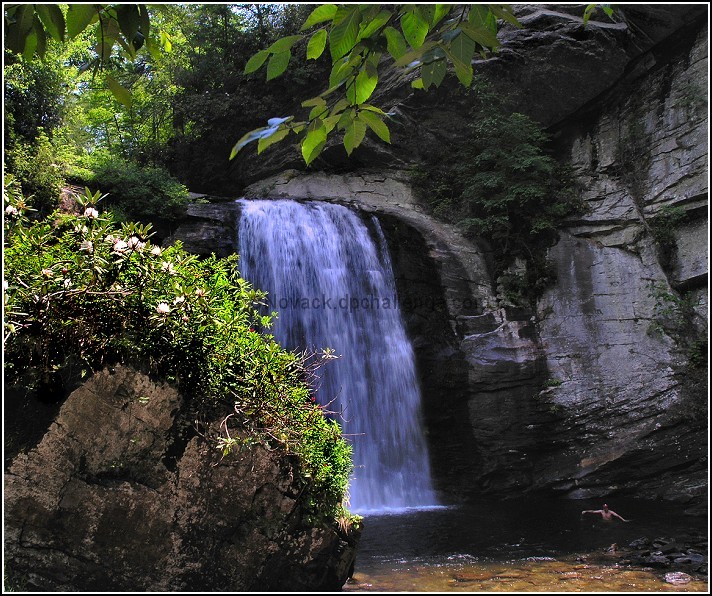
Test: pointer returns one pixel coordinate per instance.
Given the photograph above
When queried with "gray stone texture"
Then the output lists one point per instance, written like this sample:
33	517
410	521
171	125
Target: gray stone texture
112	499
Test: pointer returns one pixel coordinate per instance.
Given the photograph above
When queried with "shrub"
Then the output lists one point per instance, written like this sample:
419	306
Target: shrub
501	186
81	289
39	170
139	193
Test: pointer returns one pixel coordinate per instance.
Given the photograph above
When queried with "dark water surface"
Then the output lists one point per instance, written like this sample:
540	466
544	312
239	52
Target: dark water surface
524	545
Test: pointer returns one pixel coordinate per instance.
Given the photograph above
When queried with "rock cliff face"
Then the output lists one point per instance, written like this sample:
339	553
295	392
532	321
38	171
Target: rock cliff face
598	390
117	497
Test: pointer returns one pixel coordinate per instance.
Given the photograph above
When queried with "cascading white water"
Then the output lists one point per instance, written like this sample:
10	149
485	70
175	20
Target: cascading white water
333	287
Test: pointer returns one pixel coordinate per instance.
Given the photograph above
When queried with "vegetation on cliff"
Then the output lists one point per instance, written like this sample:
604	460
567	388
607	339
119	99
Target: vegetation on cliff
82	292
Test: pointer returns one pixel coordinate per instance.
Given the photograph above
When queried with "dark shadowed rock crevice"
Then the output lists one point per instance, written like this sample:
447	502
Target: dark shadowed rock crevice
93	507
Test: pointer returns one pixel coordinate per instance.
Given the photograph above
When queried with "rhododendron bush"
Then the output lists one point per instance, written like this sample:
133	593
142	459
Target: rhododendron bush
82	292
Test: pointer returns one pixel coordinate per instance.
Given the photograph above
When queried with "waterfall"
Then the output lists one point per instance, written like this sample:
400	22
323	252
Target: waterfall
333	286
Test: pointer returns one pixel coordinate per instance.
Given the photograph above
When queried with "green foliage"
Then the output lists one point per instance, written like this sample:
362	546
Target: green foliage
38	168
662	227
81	289
140	193
425	37
501	186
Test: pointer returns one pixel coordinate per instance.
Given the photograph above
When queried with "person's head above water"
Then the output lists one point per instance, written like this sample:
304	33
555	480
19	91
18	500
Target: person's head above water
605	507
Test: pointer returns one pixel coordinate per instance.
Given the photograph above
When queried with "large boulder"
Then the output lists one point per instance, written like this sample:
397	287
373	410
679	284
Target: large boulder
120	495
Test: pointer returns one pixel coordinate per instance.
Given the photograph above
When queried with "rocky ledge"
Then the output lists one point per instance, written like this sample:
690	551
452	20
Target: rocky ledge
118	496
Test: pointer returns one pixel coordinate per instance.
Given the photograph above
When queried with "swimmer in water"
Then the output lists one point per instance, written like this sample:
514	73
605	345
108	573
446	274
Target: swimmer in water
605	513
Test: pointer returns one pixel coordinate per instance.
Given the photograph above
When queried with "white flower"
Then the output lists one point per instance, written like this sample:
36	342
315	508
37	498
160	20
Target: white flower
67	284
120	245
200	293
156	251
81	230
5	285
110	239
163	308
168	267
135	243
87	246
91	213
47	272
179	300
11	210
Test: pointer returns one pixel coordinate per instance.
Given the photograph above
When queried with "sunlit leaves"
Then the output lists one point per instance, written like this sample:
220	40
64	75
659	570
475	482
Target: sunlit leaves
344	33
254	63
376	124
79	17
591	8
122	95
415	28
317	44
355	132
322	13
428	37
52	19
278	64
314	140
395	42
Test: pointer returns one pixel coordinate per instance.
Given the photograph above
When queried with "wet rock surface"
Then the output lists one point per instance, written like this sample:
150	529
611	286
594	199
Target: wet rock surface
117	497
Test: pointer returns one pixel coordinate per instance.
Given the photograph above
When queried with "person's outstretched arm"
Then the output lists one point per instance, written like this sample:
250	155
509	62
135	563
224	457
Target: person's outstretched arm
618	516
591	511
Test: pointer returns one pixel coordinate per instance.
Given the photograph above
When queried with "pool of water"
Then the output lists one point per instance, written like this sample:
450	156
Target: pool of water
524	545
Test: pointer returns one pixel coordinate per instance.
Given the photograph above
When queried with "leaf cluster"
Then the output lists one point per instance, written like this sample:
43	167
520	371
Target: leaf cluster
81	289
359	38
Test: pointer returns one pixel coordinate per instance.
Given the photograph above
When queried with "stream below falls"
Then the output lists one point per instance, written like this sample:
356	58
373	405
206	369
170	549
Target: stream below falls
526	545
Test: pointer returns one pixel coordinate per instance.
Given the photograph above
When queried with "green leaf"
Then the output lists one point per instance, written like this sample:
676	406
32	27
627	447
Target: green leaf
278	64
395	42
129	20
322	13
79	16
462	71
314	141
463	48
41	46
355	132
145	20
414	55
275	137
344	33
342	70
316	45
376	124
587	13
52	18
284	44
482	16
504	12
314	101
415	29
481	35
433	72
371	108
374	24
31	43
417	84
256	61
122	95
18	32
363	86
441	11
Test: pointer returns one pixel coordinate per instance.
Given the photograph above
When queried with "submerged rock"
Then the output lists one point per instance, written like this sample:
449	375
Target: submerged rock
678	578
120	495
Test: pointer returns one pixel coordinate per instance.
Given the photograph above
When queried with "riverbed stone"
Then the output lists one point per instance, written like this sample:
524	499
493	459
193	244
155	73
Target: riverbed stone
678	578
